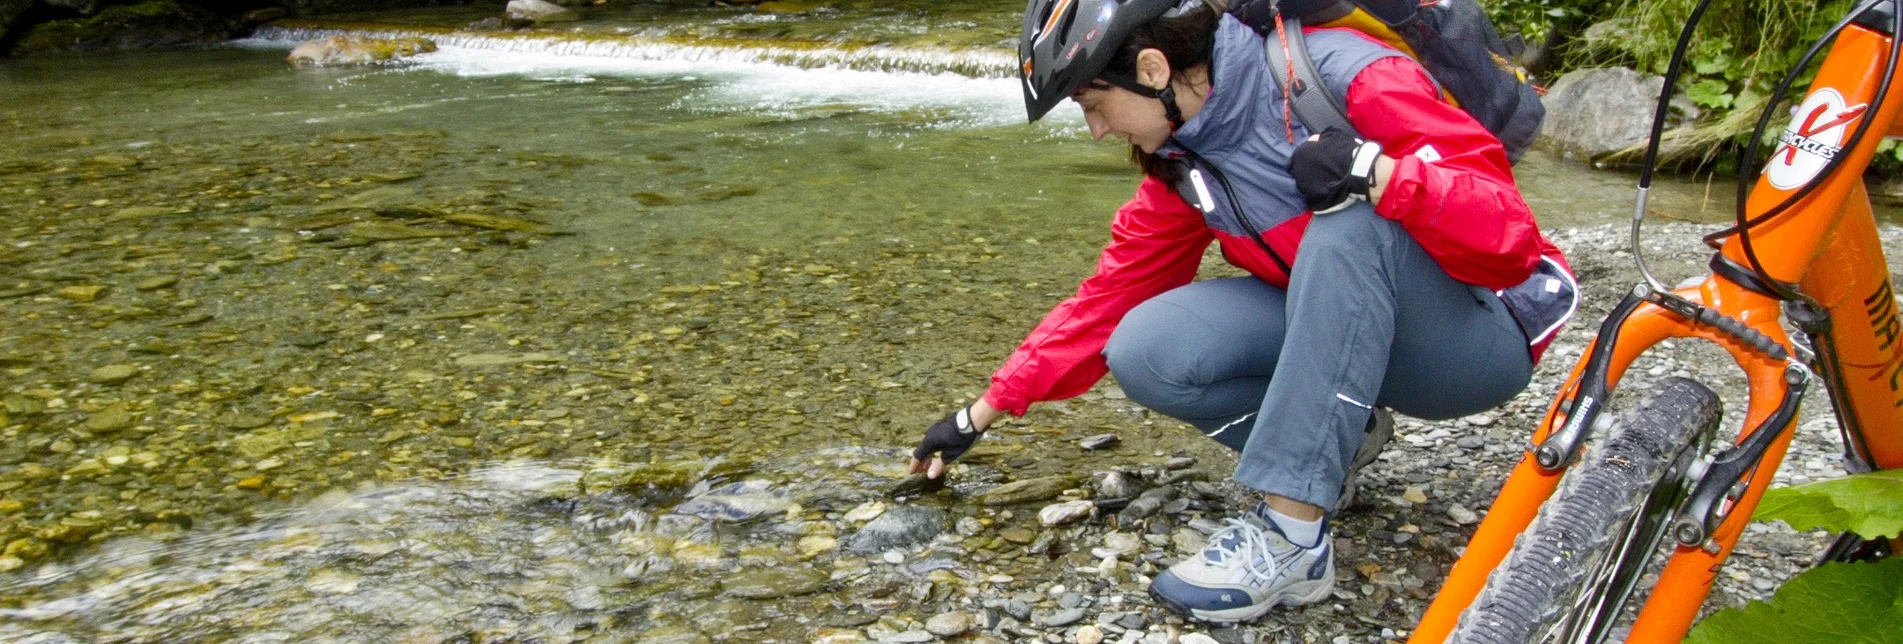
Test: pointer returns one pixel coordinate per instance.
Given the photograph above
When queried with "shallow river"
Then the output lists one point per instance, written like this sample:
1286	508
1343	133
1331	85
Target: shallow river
553	337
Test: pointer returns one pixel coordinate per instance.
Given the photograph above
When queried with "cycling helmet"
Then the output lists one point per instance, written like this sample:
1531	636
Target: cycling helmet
1065	44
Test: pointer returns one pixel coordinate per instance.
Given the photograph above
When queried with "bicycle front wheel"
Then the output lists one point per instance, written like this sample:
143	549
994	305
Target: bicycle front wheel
1569	573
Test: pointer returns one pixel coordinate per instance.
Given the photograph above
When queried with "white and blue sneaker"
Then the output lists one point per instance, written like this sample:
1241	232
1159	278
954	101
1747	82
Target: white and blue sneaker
1247	569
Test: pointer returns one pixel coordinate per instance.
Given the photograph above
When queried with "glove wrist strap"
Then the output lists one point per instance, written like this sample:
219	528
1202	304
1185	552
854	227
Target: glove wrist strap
1361	170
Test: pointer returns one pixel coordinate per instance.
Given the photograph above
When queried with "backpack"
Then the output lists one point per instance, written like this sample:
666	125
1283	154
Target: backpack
1452	39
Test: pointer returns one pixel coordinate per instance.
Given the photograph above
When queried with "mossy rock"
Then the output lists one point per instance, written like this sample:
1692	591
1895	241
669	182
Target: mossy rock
159	23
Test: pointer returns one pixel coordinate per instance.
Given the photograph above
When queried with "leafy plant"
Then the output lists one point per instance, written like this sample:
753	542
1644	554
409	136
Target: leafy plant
1836	602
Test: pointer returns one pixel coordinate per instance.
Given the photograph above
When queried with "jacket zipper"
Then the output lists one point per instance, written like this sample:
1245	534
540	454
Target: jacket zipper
1235	206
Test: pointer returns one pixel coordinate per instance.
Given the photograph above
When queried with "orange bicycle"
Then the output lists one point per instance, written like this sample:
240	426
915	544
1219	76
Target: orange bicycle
1558	557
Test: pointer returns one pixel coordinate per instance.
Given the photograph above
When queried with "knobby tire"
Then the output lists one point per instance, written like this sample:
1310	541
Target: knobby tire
1586	518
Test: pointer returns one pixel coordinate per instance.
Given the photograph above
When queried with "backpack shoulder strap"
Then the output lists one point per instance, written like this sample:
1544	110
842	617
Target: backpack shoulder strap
1310	99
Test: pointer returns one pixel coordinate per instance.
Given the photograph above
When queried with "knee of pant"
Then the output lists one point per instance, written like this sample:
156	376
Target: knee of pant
1352	231
1151	369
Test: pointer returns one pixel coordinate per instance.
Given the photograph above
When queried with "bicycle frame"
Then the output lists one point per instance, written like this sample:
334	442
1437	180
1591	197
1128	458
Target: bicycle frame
1828	246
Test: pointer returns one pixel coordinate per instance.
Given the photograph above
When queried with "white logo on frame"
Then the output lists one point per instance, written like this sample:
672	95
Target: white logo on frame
1815	136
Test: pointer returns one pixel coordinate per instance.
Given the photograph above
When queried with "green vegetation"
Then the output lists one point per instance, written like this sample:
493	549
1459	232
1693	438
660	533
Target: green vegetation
1837	602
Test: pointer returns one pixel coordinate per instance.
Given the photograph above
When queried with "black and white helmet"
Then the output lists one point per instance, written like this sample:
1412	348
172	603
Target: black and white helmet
1065	44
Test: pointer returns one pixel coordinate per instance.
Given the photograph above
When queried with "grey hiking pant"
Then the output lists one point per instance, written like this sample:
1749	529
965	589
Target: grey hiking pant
1289	377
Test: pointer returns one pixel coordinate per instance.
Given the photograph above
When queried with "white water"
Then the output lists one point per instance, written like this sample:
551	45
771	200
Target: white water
953	88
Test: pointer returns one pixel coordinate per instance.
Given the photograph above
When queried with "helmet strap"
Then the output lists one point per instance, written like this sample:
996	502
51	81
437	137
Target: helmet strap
1167	95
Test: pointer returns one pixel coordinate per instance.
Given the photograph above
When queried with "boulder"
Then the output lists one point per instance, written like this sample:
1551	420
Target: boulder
540	11
159	23
1593	113
341	51
901	527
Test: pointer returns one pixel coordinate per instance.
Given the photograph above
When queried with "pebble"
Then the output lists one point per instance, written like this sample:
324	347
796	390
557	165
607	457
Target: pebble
1461	515
1063	617
1089	634
111	419
969	526
1180	462
893	557
950	624
1414	495
865	512
1019	536
1471	442
1195	638
1027	491
1098	442
1117	544
1058	514
113	374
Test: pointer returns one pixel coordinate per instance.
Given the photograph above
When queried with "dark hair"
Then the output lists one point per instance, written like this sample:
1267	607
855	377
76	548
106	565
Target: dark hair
1187	41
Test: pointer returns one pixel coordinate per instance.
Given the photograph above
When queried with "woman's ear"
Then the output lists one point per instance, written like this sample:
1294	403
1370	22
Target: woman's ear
1153	69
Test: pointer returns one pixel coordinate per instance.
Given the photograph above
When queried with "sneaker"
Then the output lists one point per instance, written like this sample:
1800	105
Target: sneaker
1248	568
1380	431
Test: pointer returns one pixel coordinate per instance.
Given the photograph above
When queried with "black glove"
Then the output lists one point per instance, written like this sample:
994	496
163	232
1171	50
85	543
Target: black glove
1333	170
949	438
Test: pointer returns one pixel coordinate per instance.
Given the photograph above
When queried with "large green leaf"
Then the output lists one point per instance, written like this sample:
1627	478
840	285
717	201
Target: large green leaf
1870	505
1838	603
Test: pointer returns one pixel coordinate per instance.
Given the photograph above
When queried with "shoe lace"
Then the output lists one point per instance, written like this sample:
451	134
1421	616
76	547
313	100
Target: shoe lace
1243	539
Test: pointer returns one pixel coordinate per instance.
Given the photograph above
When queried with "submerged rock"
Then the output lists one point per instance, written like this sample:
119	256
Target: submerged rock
774	583
899	527
340	51
1027	491
737	502
916	484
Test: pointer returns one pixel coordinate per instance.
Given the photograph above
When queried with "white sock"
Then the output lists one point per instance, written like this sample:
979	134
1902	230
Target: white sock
1304	534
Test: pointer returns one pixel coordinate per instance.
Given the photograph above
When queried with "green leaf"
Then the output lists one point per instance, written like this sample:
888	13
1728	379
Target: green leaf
1710	92
1837	603
1870	505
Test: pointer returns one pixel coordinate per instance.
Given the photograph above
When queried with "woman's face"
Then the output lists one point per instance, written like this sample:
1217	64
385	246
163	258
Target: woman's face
1115	111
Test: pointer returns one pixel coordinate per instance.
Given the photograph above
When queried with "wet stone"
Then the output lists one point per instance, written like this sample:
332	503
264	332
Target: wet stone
1062	618
1062	513
1180	462
916	484
1117	485
737	502
1027	491
156	283
111	419
1471	442
1018	536
773	583
113	374
899	527
950	624
244	421
1098	442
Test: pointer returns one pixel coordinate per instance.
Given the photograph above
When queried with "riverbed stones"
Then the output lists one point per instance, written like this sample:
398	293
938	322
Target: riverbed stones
349	50
899	527
774	583
1058	514
1027	491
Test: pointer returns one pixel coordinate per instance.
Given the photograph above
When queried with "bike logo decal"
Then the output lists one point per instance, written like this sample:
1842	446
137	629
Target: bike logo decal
1814	138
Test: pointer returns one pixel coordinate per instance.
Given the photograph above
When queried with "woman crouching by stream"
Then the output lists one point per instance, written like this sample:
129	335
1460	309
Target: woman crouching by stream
1403	272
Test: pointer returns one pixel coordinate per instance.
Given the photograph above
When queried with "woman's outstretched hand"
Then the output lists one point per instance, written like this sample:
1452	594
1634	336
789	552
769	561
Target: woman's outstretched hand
948	439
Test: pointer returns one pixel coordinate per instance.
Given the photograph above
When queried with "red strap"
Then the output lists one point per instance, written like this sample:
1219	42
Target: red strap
1288	82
